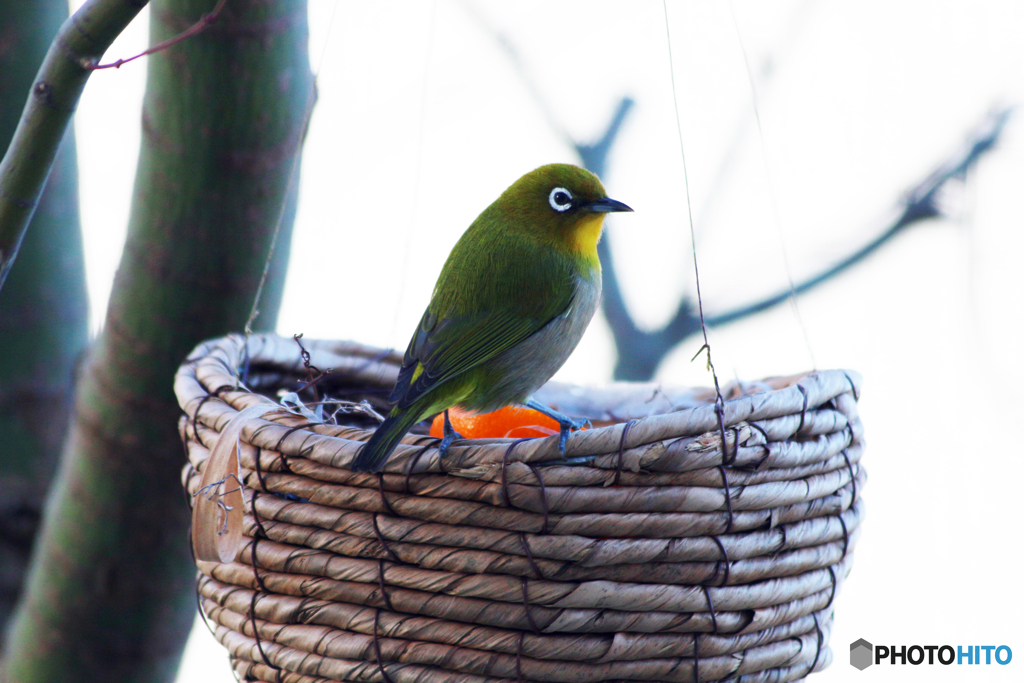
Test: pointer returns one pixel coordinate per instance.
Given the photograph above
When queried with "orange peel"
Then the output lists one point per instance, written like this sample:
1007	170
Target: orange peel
513	422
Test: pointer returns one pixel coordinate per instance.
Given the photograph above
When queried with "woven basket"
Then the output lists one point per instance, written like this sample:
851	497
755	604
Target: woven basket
664	557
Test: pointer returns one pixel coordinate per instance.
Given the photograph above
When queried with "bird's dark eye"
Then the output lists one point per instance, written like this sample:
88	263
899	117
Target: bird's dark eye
560	199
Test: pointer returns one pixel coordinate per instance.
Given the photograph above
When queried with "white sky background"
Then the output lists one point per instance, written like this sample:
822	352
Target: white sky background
423	120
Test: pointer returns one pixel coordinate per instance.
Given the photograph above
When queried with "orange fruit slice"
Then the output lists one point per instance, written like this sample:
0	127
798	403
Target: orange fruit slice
511	422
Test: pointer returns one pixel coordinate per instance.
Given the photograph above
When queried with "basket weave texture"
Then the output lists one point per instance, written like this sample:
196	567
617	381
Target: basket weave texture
663	557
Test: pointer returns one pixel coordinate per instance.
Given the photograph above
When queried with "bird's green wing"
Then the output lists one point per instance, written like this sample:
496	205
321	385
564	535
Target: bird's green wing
453	339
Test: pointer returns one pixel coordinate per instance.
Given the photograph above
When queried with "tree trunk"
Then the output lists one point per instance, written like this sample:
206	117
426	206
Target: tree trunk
111	592
43	310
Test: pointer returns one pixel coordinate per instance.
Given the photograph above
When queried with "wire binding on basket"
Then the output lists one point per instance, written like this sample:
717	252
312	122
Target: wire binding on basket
725	559
696	657
853	386
412	464
543	498
383	496
383	586
526	607
519	657
529	556
846	535
383	541
803	411
622	445
255	569
720	414
849	466
832	595
711	608
728	494
376	647
215	394
504	470
821	638
256	633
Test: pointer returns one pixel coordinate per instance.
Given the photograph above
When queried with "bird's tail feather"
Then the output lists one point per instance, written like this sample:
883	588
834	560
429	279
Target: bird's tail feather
375	452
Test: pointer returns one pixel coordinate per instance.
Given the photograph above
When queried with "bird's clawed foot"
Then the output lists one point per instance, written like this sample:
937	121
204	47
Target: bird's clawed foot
449	436
566	424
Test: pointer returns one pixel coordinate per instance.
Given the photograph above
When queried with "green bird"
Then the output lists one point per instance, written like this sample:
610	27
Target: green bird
512	302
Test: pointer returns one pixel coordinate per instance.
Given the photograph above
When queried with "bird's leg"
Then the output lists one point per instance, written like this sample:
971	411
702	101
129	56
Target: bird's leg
565	423
449	435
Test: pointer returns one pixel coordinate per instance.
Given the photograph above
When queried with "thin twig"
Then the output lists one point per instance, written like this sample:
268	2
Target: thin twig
195	29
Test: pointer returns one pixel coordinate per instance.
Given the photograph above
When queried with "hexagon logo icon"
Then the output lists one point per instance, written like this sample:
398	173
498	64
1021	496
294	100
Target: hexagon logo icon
861	654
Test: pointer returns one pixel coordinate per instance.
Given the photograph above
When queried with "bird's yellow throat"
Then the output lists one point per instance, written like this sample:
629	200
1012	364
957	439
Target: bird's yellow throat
586	236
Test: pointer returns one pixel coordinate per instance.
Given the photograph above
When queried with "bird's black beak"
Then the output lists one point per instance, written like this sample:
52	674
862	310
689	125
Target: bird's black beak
607	205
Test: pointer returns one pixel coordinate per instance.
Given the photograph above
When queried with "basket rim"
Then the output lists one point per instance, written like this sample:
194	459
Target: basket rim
209	392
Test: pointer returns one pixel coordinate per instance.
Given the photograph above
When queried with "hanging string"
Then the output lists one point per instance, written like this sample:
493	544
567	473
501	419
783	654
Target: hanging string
719	401
771	190
407	242
310	100
967	221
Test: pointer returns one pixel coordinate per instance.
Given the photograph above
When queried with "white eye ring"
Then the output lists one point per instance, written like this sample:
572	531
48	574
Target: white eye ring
566	202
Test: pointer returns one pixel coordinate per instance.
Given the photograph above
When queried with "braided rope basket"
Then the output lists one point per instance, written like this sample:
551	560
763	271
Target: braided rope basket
661	557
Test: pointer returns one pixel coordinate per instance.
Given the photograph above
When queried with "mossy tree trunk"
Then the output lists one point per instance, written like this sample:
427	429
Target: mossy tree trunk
110	596
43	314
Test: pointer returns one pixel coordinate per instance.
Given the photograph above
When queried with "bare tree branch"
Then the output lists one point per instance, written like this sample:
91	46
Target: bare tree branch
640	352
920	203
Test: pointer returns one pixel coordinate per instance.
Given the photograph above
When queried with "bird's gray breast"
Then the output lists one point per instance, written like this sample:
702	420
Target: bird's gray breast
525	367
